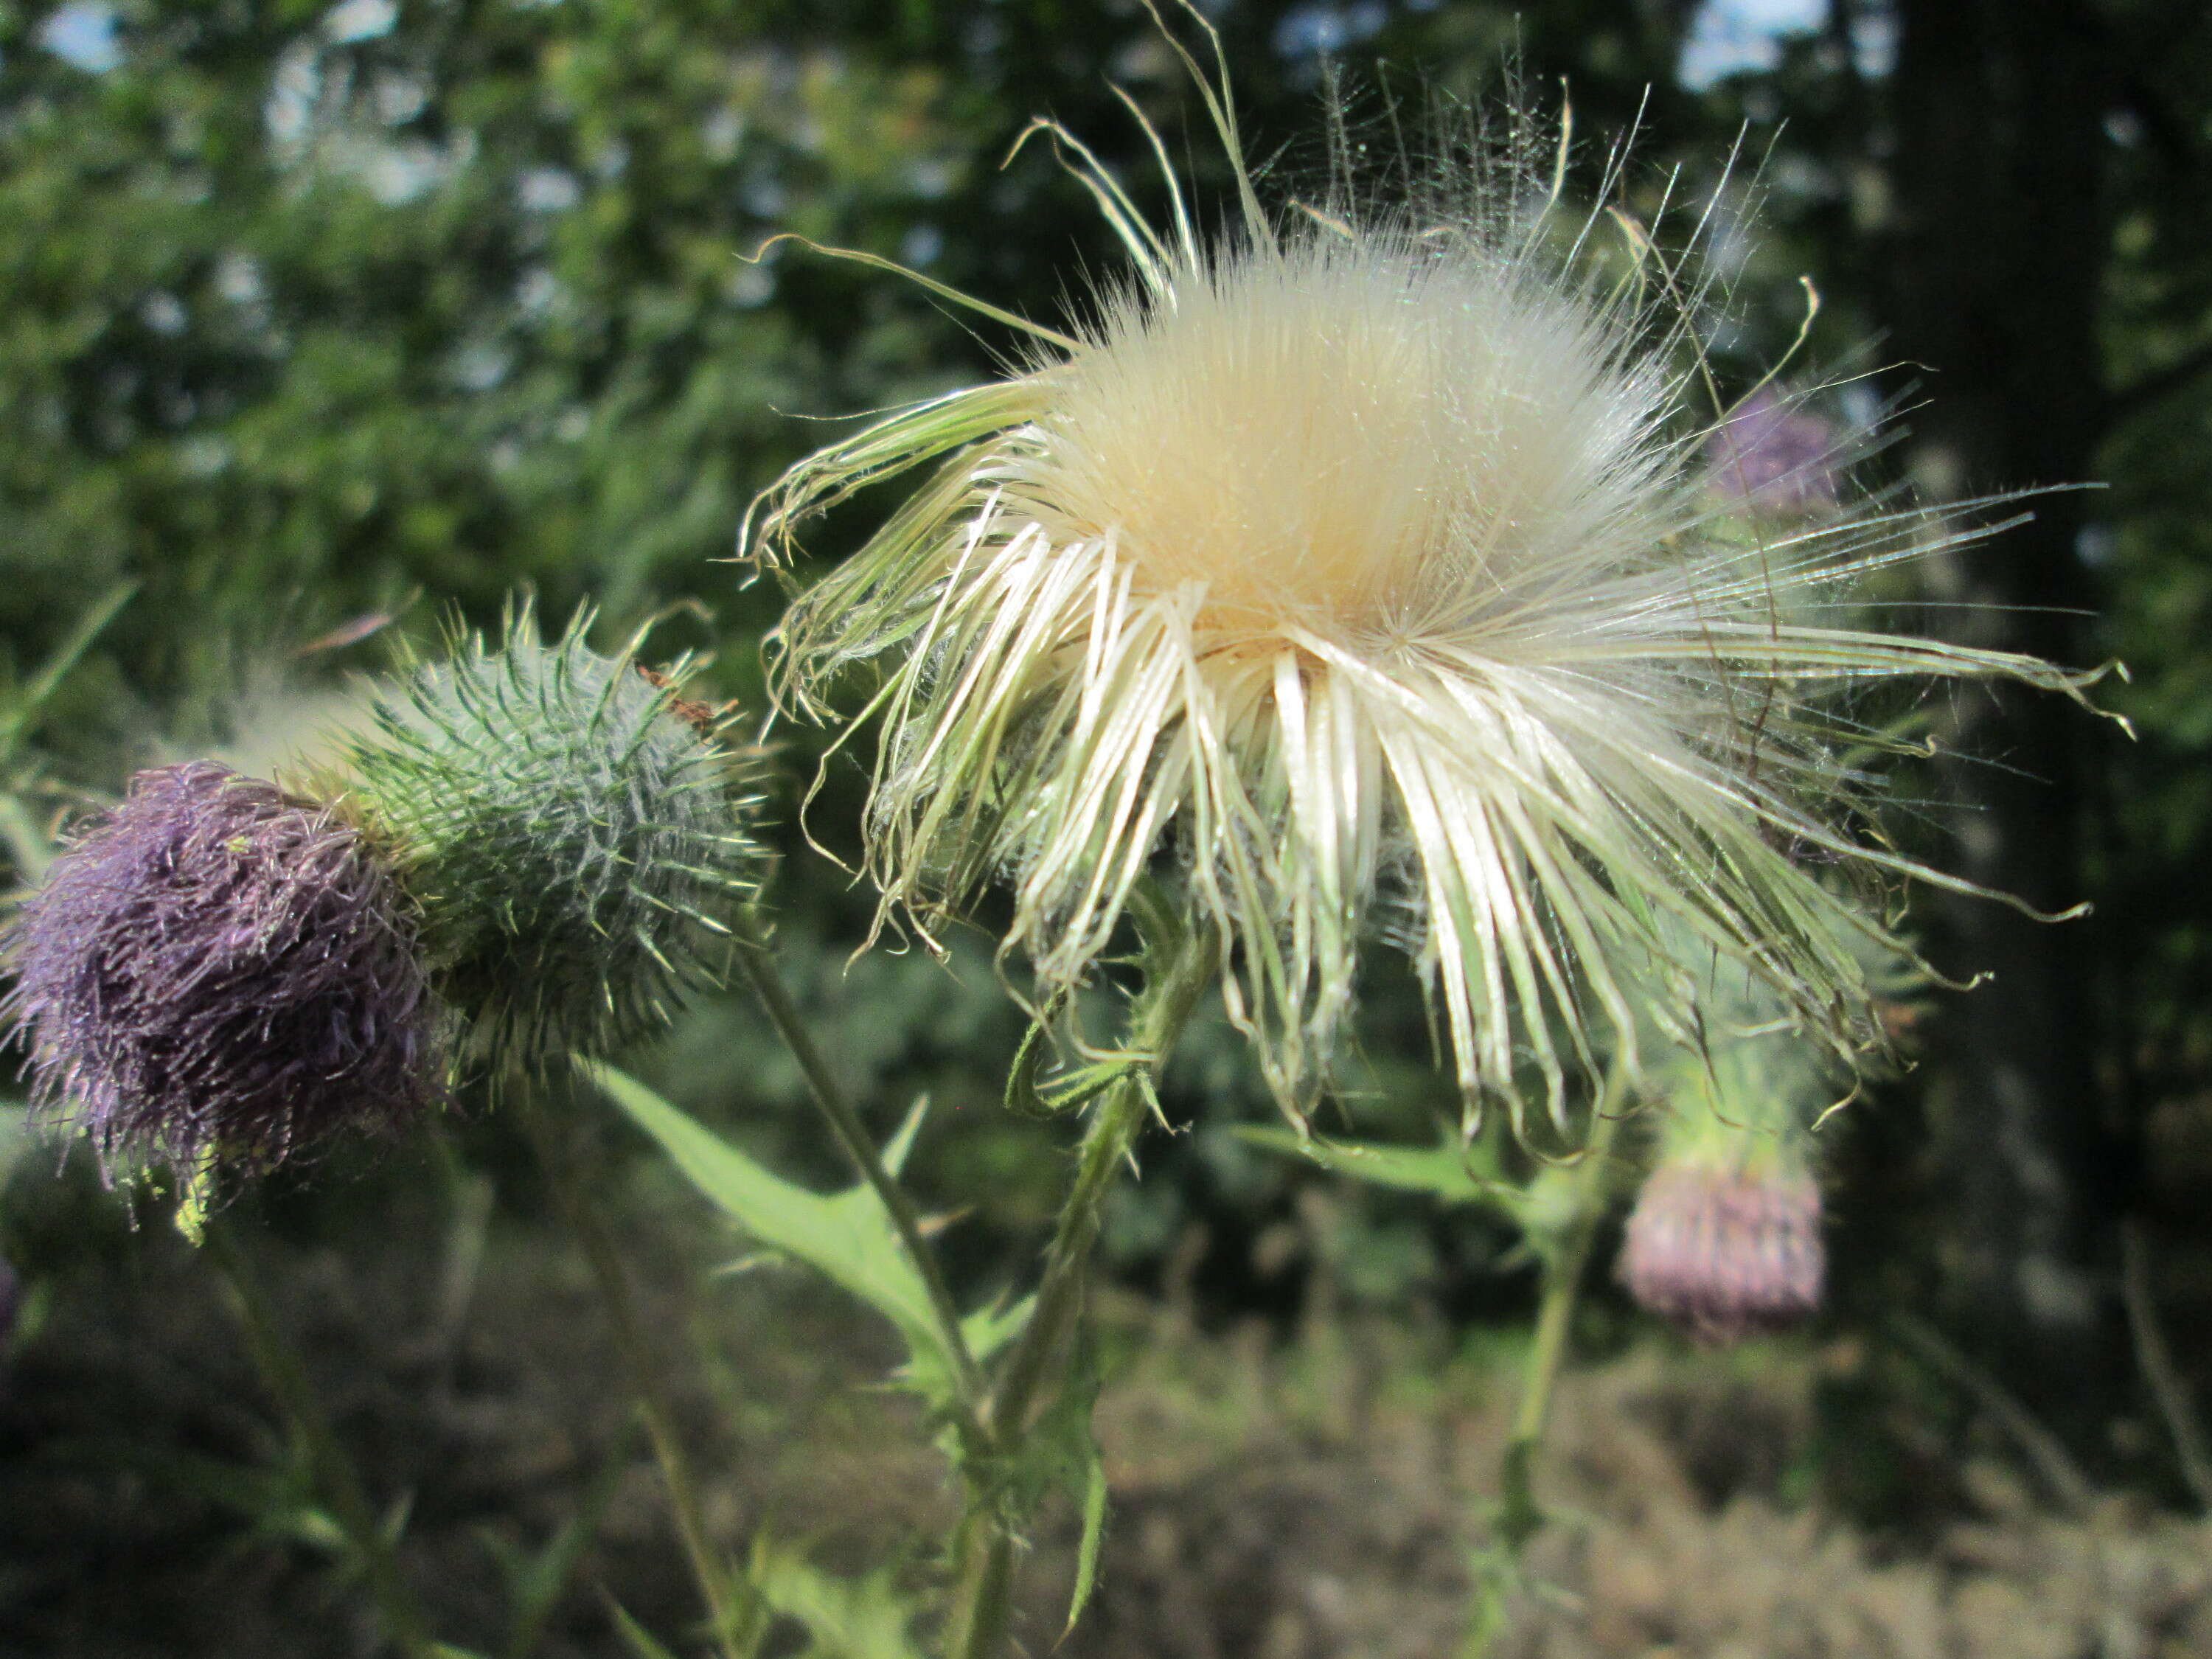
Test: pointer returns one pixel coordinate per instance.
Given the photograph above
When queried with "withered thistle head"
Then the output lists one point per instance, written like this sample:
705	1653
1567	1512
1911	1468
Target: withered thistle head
1724	1253
1364	556
567	825
218	969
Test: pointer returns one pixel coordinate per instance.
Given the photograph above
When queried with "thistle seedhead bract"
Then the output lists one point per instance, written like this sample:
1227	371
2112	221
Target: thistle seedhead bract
220	970
568	829
1371	555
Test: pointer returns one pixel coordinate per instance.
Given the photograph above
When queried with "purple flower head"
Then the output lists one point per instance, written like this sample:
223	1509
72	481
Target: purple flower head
1722	1254
1773	456
219	968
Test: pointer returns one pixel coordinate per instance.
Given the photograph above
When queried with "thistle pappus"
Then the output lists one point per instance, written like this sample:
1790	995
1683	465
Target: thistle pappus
1368	553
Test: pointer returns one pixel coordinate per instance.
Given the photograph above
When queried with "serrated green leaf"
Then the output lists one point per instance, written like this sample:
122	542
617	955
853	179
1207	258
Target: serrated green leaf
1541	1207
1457	1174
865	1618
1061	1454
989	1329
1024	1098
1028	1094
903	1138
1094	1535
847	1236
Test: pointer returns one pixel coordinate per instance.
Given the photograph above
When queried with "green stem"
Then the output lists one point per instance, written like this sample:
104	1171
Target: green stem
983	1566
286	1376
591	1234
757	963
1521	1516
983	1577
1107	1140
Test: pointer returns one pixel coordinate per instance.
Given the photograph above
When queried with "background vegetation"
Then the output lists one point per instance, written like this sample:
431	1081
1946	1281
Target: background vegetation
318	319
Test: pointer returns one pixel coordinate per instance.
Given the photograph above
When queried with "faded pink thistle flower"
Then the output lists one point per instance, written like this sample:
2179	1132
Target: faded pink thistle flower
1775	456
220	969
1722	1253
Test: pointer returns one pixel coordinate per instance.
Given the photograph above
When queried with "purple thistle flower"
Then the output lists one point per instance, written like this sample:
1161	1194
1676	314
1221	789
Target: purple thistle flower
1722	1254
218	968
1774	456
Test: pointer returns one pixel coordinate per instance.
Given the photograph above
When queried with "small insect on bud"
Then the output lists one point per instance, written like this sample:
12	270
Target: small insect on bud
221	969
568	826
1724	1253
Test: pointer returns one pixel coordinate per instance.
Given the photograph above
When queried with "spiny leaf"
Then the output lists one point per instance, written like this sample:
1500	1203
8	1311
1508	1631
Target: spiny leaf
1456	1174
1062	1454
989	1329
848	1235
1452	1173
865	1618
1094	1535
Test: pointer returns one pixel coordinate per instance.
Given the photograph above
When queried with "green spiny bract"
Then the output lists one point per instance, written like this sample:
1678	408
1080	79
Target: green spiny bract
567	828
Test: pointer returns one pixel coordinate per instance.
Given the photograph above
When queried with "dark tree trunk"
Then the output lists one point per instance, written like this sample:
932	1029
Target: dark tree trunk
1993	285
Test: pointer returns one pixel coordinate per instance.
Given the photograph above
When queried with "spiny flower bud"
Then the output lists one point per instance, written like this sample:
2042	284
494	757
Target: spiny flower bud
219	968
1724	1253
567	827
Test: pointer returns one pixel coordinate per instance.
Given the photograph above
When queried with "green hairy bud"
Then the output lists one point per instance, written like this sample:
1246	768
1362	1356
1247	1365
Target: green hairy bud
569	830
1725	1238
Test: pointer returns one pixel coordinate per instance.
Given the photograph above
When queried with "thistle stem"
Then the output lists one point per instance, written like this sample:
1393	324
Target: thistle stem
983	1567
590	1230
285	1375
757	963
1521	1517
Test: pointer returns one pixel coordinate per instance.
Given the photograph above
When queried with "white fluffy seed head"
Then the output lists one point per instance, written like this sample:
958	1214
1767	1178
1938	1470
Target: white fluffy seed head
1375	564
1358	434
